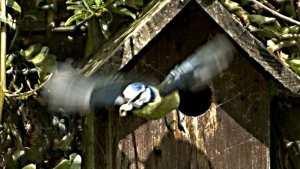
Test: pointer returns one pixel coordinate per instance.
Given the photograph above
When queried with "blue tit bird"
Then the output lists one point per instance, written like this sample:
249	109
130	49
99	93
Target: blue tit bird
133	94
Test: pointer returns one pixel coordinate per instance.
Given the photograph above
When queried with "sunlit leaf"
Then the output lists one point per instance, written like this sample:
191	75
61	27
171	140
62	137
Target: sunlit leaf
20	151
75	7
295	64
272	47
76	17
98	2
44	62
9	59
37	59
265	32
122	11
87	4
76	161
31	51
64	164
291	29
29	166
4	19
237	9
8	20
261	20
74	2
73	163
14	5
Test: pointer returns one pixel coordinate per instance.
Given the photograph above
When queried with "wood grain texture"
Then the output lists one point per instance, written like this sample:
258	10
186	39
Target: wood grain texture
242	136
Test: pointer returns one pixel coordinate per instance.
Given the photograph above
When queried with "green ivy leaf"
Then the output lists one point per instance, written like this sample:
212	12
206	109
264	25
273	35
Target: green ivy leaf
70	2
76	7
31	51
4	19
295	65
98	2
29	166
121	10
261	20
14	5
264	21
87	4
39	58
80	16
73	163
8	20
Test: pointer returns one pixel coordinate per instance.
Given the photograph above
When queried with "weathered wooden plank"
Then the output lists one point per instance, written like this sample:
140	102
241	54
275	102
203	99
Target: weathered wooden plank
251	45
241	139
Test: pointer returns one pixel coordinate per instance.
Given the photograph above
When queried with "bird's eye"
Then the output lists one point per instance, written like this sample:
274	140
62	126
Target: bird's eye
144	98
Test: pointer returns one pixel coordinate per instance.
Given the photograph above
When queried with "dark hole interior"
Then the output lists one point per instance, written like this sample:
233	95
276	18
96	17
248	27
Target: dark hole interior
195	103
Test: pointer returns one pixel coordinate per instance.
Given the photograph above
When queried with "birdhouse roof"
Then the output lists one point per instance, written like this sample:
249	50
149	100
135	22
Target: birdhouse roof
159	13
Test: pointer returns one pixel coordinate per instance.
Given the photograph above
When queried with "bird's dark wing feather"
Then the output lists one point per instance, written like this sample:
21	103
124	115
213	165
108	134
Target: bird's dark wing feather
197	70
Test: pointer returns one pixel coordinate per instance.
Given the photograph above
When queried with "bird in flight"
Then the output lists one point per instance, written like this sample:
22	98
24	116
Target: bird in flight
73	92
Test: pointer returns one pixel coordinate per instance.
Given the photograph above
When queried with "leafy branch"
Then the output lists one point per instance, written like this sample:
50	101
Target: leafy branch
102	10
277	28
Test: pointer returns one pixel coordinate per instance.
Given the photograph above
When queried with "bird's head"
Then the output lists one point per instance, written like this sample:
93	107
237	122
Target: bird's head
135	96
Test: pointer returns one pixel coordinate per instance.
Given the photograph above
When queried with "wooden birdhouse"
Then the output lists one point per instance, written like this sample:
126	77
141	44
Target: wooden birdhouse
233	133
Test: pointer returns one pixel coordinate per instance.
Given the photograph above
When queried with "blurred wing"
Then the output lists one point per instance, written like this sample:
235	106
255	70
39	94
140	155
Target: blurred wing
69	92
203	65
76	93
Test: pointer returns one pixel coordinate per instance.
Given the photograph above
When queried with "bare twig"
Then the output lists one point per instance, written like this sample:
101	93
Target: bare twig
276	13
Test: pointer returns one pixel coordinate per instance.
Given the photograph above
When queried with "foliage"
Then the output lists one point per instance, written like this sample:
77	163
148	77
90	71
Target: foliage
31	135
103	10
279	29
28	70
274	23
9	19
73	163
